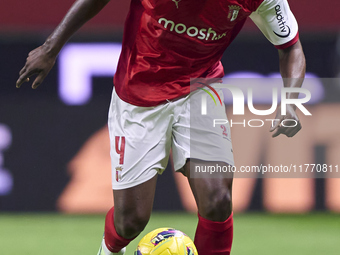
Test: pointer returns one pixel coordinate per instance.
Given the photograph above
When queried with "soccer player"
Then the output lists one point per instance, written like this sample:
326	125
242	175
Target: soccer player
165	44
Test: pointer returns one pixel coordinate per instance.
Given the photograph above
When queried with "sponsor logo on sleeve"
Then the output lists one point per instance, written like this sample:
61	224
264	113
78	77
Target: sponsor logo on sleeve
284	29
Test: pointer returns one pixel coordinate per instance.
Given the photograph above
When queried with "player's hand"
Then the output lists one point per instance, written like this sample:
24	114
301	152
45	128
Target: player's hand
39	62
291	126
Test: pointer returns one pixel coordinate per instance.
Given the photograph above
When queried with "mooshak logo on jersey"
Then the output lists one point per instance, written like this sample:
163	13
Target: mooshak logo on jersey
180	28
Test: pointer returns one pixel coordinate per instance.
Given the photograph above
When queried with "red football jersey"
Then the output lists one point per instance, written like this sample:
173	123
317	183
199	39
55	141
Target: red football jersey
168	42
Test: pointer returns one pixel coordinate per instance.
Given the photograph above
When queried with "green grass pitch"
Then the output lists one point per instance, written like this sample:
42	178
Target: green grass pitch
262	234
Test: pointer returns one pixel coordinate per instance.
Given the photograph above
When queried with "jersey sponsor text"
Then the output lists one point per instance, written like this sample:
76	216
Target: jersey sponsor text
180	28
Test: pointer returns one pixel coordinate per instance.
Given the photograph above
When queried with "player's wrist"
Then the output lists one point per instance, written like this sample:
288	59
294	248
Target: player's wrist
51	48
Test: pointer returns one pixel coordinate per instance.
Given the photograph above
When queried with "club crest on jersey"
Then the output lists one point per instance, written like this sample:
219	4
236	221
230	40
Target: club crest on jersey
176	2
119	170
233	12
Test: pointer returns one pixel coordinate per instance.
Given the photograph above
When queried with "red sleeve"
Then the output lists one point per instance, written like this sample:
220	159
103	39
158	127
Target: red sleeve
288	44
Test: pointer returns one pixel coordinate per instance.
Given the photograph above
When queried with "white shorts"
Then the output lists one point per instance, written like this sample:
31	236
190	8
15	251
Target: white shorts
141	137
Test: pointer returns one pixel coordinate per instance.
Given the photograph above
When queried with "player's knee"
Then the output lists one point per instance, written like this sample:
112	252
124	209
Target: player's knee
131	225
218	205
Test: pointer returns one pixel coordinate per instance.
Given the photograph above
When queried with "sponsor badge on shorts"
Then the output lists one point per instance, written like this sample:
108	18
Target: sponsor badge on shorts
119	170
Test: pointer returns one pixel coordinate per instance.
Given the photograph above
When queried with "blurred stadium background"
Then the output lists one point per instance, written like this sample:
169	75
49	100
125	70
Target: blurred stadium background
54	150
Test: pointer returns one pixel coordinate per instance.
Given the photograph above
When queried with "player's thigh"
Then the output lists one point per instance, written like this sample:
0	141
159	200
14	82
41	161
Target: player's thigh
198	136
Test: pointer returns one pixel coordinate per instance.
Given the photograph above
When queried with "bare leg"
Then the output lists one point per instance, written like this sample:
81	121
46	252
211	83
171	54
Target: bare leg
214	233
213	195
133	208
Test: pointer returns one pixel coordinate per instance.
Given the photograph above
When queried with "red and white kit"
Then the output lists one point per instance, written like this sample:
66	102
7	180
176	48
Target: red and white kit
166	43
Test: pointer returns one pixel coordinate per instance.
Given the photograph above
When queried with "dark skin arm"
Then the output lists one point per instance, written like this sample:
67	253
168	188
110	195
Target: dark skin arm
292	69
41	60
